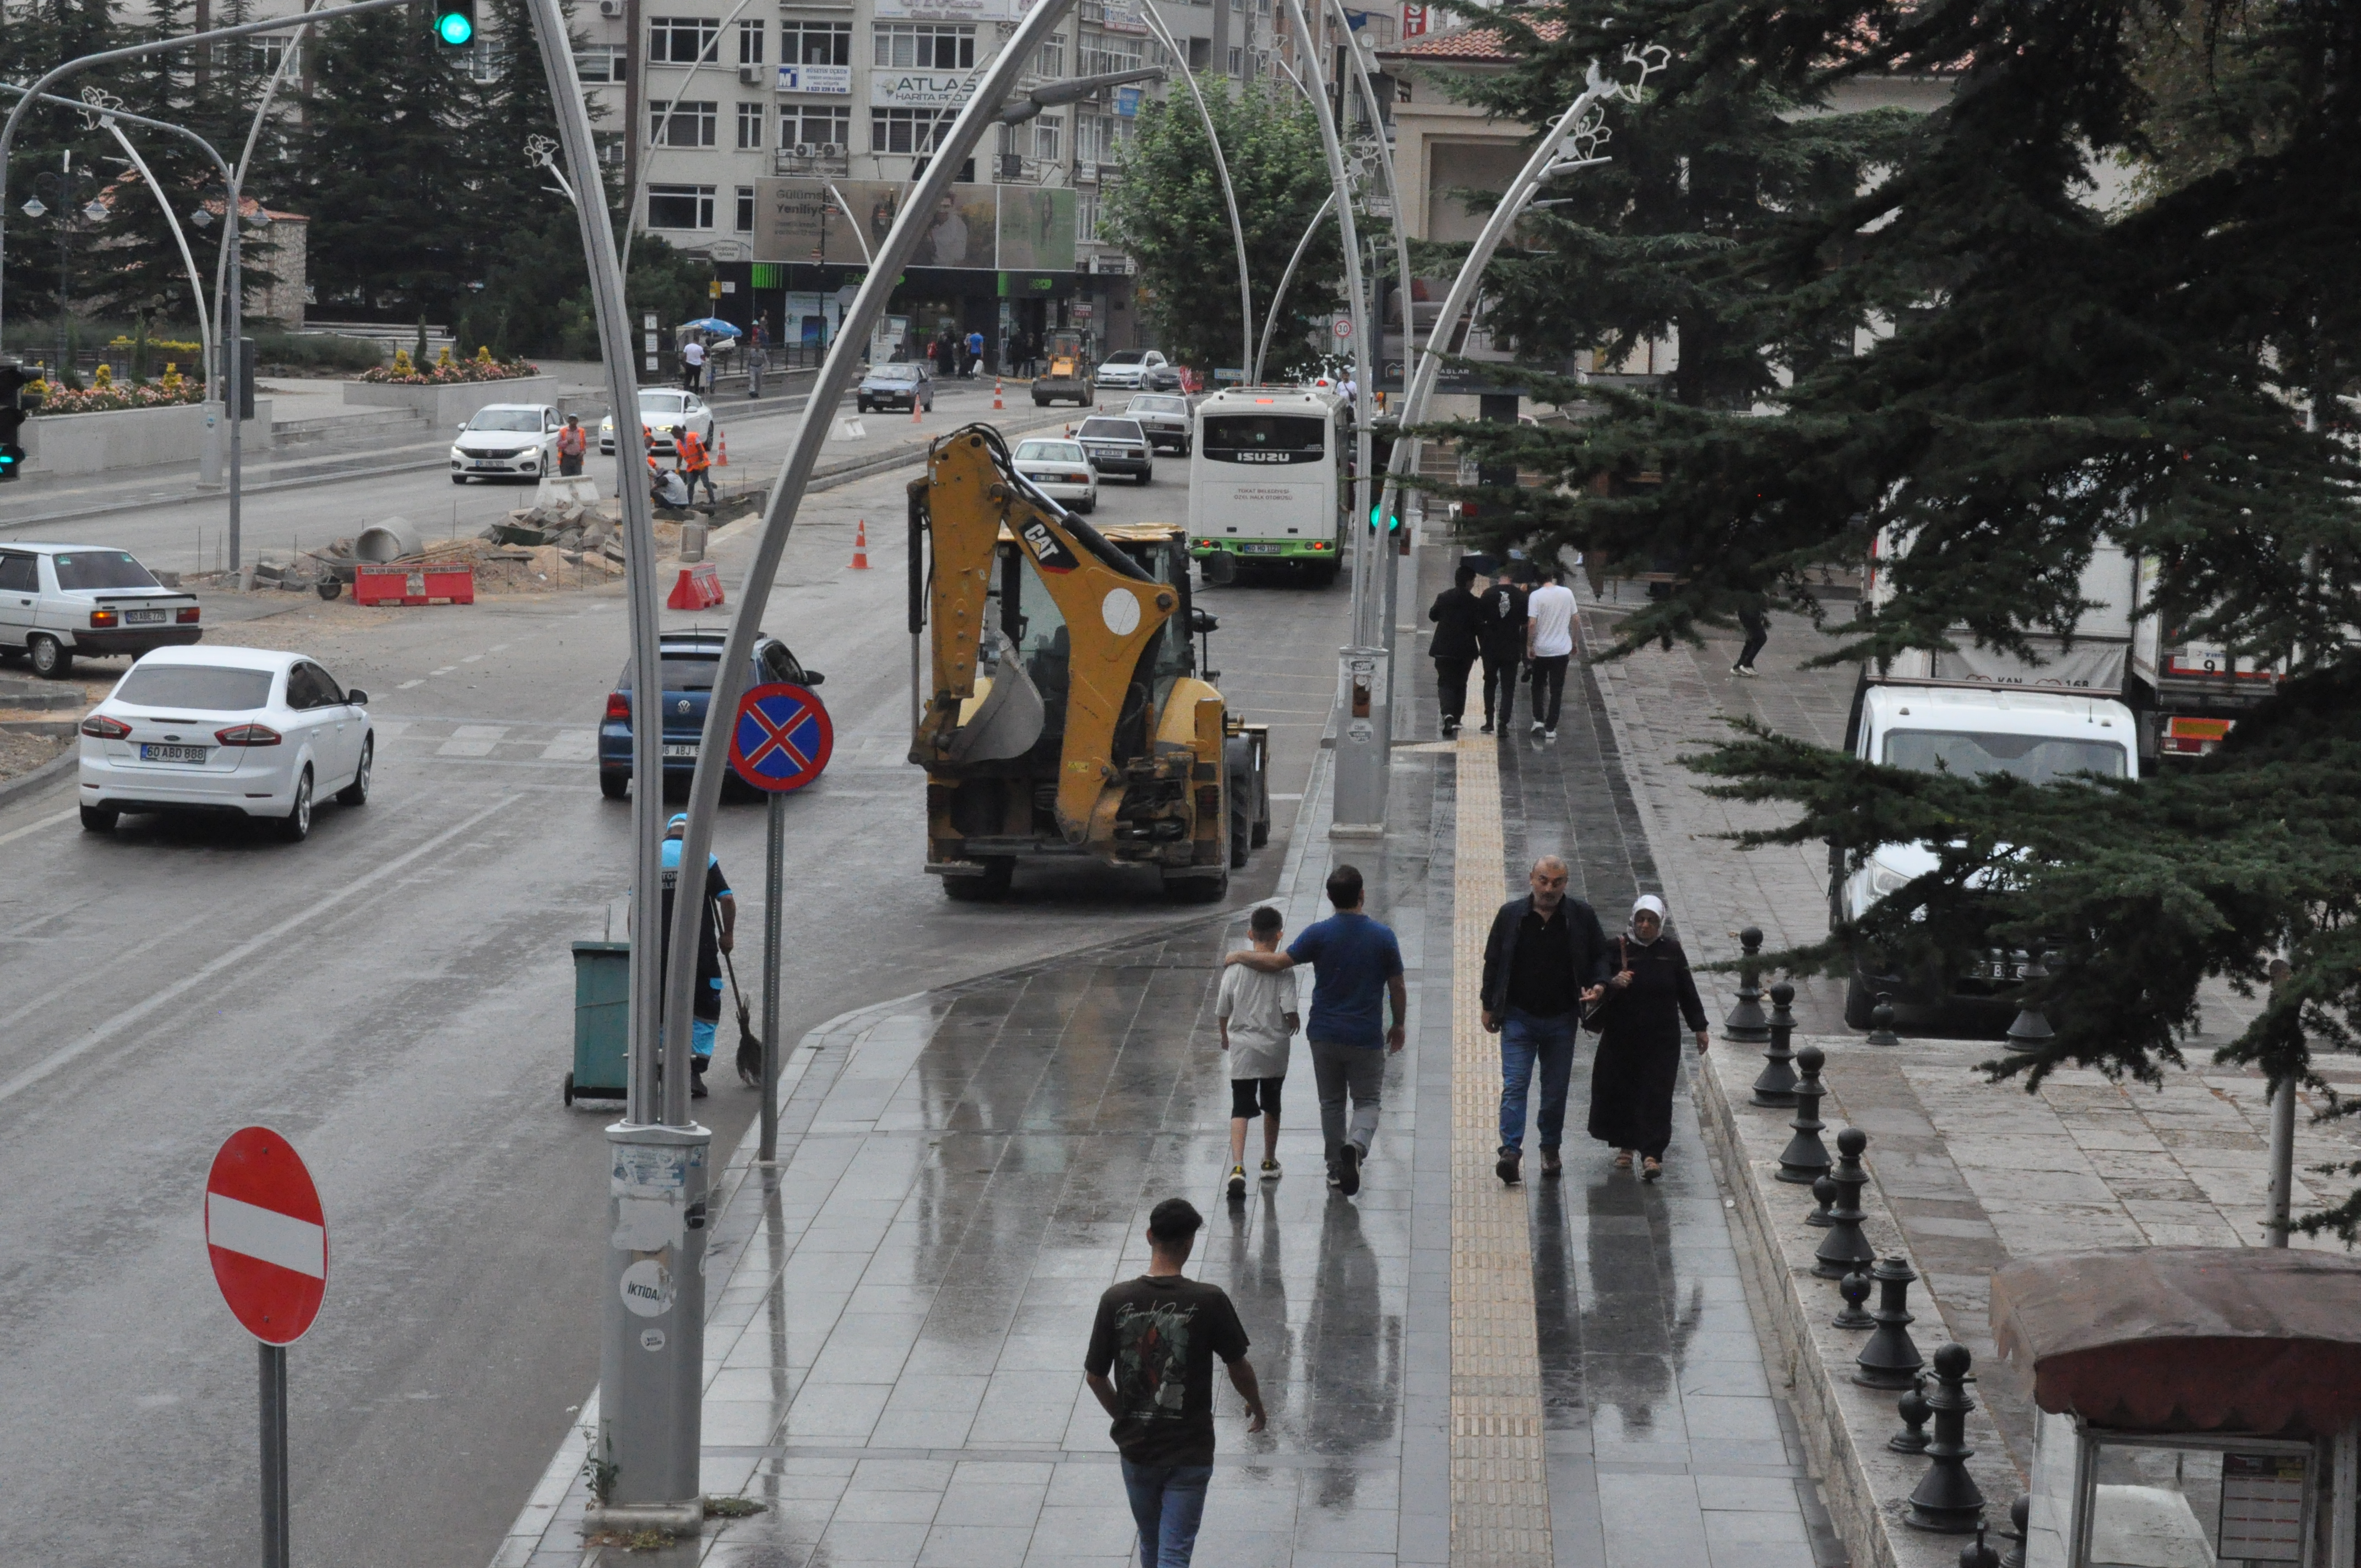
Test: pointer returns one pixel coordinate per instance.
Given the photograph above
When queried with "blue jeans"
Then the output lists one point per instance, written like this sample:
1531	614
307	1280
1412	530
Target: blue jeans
1166	1502
1527	1037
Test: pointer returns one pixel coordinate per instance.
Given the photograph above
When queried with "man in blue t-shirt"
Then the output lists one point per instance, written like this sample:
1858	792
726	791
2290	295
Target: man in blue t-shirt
1355	962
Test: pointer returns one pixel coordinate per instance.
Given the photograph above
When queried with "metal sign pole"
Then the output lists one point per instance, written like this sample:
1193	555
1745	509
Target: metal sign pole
774	894
274	1455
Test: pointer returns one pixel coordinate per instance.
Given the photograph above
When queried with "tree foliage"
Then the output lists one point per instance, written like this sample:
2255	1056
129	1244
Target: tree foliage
2043	373
1168	215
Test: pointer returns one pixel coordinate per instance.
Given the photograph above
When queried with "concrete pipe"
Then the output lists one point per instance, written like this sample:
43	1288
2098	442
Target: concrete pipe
392	540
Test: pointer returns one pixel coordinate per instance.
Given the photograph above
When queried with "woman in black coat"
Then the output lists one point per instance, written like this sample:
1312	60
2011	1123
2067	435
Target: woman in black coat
1639	1060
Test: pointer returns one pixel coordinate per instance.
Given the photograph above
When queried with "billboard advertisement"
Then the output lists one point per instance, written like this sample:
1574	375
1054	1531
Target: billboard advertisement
1015	228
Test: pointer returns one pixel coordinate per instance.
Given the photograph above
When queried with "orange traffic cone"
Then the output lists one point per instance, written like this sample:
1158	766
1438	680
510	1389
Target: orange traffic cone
914	410
997	405
860	545
721	448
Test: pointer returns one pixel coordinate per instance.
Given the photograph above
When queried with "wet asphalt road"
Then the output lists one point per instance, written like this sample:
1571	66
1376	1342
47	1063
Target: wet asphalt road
395	995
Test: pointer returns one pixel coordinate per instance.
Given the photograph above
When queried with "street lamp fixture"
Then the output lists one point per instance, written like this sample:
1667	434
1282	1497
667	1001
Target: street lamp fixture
33	208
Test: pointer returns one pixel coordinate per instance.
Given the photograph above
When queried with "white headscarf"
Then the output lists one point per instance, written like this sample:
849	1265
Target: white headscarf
1647	902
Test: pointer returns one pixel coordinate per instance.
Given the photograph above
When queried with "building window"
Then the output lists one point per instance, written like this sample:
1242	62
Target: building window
1237	60
750	125
745	209
268	52
908	130
1048	138
1051	61
926	46
815	125
814	43
683	40
609	145
683	124
1101	53
488	58
750	43
680	206
1086	217
599	62
1098	138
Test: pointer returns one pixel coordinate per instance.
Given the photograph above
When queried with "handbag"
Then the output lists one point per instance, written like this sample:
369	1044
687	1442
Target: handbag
1594	1015
750	1044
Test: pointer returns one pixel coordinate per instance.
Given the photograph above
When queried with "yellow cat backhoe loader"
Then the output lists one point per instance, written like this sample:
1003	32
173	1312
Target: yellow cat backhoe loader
1067	712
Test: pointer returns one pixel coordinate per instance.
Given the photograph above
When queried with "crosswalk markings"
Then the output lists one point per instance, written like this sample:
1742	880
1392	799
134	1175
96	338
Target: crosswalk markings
472	740
572	746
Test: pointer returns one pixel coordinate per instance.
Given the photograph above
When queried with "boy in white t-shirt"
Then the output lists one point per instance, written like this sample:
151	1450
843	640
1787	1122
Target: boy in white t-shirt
1257	1015
1549	648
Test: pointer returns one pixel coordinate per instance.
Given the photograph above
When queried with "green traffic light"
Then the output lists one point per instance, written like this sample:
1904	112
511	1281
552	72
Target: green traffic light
454	28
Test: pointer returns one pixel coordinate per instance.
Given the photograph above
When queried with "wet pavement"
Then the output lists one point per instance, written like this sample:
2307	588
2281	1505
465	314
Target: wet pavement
902	1304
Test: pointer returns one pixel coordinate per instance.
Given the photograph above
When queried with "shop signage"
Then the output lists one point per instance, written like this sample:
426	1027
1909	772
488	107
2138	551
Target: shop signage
836	79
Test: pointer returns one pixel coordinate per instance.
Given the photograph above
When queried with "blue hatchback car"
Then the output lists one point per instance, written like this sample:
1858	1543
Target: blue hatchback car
690	659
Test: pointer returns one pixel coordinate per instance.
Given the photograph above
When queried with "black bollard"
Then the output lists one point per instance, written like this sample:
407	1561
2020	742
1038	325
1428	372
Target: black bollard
2031	1031
1854	1289
1891	1358
1824	1193
1844	1246
1881	1022
1976	1554
1778	1084
1912	1409
1746	1025
1806	1158
2019	1513
1947	1499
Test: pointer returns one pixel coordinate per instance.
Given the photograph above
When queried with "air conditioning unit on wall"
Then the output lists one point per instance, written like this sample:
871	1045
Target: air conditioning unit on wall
751	75
610	8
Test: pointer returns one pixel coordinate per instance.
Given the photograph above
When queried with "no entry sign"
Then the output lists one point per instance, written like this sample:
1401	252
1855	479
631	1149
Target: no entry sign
783	737
267	1235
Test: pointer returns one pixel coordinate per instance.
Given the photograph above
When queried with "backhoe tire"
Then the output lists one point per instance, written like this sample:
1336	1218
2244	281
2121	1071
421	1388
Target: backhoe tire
1241	840
1198	889
989	888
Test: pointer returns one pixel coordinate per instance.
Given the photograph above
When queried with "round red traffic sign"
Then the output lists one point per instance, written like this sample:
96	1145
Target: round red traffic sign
267	1235
783	737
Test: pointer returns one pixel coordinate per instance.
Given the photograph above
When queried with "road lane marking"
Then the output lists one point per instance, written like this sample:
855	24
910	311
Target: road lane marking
471	658
572	746
444	671
406	685
472	740
103	1033
252	1231
10	838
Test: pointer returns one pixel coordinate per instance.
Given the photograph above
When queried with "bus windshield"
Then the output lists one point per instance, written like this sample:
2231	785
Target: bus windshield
1265	438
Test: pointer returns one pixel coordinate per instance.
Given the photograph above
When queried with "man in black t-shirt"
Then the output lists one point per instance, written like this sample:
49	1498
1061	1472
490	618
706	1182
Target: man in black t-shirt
1151	1365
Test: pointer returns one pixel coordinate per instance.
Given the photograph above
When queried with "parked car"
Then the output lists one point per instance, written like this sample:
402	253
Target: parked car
691	659
1166	417
1060	470
1131	367
505	441
1118	445
237	731
660	410
61	601
897	384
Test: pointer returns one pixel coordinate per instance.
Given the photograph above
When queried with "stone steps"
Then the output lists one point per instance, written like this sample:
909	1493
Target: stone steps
21	694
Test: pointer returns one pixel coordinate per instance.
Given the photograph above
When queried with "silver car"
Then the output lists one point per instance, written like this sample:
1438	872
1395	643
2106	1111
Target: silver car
505	441
58	601
1119	446
1165	417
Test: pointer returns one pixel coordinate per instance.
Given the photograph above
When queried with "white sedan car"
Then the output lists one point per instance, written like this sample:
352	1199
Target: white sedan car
1059	470
660	410
505	441
243	731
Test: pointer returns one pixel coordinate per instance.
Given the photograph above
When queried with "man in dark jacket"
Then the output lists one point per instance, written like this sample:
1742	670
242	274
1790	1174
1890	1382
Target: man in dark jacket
1457	615
1500	638
1546	957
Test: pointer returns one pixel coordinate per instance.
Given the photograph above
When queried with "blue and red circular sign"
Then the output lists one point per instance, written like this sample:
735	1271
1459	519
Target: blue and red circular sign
783	737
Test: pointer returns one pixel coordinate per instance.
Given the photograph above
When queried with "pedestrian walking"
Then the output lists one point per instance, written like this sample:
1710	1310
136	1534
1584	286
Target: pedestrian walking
1546	957
1649	996
1500	640
1356	966
572	442
1150	1366
696	462
1754	618
692	363
974	355
1549	646
716	934
1457	615
1257	1015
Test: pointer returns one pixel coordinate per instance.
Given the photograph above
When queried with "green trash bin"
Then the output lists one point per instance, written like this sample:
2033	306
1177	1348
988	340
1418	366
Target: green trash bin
602	1022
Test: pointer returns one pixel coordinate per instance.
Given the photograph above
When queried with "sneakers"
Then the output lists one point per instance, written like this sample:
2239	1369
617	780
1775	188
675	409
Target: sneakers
1537	726
1487	729
1549	734
1551	1165
1238	1183
1746	670
1506	1170
1348	1169
1450	727
1270	1170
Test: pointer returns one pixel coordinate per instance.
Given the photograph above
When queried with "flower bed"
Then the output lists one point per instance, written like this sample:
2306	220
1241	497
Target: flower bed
448	372
105	395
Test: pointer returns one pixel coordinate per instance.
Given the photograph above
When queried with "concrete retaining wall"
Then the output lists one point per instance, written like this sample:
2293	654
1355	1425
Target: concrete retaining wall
129	438
448	407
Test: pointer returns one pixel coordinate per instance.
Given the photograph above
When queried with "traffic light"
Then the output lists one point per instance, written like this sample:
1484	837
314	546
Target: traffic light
454	23
12	417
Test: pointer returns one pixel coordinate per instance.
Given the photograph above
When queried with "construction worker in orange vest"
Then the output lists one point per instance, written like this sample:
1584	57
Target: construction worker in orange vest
696	463
572	442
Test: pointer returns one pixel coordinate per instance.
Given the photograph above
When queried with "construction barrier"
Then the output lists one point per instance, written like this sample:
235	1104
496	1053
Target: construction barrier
699	587
414	585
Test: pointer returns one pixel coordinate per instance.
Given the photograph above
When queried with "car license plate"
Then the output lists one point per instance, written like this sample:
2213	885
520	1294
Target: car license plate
485	463
677	749
1260	548
150	752
142	617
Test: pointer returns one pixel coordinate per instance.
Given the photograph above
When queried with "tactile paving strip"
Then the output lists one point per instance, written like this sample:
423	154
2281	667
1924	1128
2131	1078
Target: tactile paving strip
1499	1486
